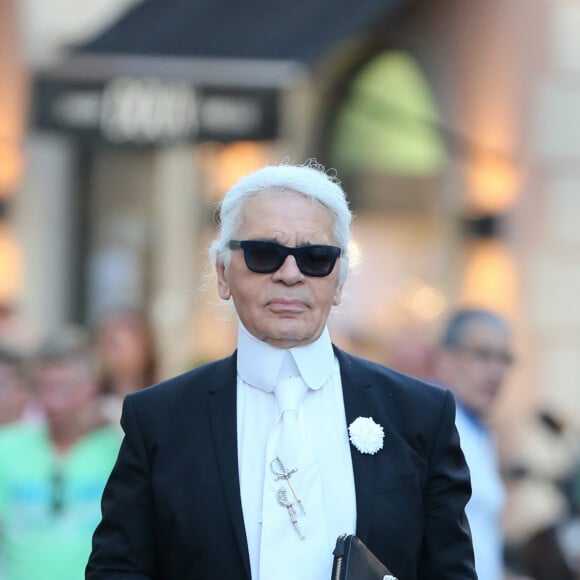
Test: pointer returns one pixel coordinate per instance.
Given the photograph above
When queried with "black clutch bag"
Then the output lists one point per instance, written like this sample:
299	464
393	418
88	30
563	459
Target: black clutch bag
354	561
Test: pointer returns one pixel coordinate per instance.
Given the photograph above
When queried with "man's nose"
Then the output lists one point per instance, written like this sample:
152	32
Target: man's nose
288	272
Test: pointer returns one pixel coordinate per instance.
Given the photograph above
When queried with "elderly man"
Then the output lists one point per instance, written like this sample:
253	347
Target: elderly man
251	466
474	356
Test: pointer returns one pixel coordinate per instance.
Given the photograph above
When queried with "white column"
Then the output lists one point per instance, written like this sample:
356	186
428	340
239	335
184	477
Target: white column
176	255
44	219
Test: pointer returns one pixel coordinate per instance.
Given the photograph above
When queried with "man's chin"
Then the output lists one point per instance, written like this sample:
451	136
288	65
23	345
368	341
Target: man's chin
288	336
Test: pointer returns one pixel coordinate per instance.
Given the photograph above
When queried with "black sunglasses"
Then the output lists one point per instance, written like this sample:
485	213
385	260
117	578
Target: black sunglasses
267	257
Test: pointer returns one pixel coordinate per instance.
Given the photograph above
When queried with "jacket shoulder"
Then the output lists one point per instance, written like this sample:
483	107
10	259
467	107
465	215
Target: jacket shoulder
194	383
369	373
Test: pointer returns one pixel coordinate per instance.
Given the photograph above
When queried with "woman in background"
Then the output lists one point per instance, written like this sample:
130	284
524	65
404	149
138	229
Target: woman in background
126	357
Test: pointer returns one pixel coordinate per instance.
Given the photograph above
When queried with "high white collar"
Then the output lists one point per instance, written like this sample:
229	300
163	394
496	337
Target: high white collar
262	365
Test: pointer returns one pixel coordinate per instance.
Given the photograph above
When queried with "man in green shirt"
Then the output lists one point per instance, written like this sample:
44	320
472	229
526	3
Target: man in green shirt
52	475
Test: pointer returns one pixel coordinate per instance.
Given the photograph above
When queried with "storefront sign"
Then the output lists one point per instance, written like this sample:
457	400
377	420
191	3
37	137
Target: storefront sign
151	111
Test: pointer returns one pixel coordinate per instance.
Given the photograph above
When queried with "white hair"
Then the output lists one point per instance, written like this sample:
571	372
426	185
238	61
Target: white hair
310	180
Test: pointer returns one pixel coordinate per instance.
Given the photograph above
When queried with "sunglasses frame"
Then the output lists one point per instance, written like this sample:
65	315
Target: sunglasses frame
285	251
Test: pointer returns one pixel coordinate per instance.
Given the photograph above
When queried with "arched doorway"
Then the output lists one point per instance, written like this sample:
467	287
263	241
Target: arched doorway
385	142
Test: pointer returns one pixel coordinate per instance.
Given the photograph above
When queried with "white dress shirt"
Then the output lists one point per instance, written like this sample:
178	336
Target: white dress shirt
260	368
485	506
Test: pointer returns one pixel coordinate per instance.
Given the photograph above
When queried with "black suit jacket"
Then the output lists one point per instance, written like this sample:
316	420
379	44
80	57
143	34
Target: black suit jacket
172	508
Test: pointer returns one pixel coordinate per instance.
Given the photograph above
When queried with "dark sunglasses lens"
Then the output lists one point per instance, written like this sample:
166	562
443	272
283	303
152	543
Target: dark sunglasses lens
267	257
262	257
316	260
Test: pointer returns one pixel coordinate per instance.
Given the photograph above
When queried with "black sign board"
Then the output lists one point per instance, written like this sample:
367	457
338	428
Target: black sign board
149	110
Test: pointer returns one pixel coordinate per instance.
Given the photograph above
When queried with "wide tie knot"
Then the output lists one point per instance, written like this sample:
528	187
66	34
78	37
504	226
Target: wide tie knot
290	393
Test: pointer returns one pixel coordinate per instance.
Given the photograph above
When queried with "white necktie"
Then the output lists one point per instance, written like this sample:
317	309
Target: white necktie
293	522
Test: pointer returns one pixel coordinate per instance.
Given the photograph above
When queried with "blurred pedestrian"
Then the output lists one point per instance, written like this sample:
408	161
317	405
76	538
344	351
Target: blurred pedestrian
13	328
553	551
52	474
252	466
126	357
473	358
14	391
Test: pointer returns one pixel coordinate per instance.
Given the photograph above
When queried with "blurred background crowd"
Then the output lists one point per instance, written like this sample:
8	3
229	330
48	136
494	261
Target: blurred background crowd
455	129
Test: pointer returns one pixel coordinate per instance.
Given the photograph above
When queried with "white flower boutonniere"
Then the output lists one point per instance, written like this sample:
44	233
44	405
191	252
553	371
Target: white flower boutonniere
366	435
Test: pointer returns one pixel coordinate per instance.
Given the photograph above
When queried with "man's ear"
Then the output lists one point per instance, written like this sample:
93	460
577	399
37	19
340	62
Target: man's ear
222	283
337	295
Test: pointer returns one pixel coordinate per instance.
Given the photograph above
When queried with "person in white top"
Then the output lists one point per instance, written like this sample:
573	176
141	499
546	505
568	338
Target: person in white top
474	356
252	466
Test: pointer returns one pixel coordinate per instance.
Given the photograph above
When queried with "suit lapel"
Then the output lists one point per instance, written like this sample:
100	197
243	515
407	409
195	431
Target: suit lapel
223	418
357	403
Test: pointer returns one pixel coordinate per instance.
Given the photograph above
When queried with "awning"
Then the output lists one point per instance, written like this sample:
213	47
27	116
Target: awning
286	30
171	70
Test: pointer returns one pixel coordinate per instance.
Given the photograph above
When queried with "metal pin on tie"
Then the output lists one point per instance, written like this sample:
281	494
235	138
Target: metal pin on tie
279	470
283	500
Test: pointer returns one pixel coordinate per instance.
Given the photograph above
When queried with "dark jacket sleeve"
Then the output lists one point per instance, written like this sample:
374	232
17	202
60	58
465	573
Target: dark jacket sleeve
124	541
447	549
